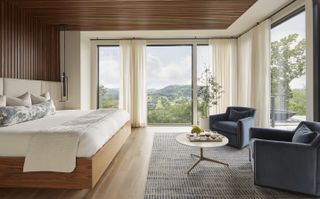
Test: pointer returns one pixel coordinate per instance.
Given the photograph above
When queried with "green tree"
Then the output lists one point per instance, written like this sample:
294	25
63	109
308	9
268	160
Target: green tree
298	101
169	109
288	61
102	91
106	101
109	102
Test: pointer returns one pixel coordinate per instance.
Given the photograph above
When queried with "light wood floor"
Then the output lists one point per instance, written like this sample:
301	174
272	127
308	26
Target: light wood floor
124	179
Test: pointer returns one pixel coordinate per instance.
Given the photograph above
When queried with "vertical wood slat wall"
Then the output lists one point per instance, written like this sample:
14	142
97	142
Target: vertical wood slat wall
28	48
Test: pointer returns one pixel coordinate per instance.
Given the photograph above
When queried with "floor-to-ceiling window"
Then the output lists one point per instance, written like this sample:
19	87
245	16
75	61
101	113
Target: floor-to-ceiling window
169	84
173	76
109	76
288	71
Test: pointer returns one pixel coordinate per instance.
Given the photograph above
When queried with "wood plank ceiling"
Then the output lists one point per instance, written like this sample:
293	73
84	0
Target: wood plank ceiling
136	14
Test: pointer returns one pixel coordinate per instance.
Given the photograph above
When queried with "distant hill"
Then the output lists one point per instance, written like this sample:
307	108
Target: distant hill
114	92
172	90
168	91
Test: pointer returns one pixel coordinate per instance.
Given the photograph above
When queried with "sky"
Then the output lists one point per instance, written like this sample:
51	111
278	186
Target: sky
168	65
293	25
172	65
165	65
109	66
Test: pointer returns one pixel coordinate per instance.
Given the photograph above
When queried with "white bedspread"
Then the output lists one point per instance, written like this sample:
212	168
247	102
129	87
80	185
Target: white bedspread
15	140
55	149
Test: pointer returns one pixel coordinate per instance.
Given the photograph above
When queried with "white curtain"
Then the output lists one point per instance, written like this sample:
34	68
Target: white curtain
223	53
132	94
245	69
254	71
138	84
125	75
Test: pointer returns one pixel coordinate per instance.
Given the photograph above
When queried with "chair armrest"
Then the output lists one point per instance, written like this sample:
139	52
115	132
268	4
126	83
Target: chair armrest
246	123
244	127
316	141
218	117
271	134
285	165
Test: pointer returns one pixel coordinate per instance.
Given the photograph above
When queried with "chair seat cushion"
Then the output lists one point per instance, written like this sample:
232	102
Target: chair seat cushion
303	135
226	126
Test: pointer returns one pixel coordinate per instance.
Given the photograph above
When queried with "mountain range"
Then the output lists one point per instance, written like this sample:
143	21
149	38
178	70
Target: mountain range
168	91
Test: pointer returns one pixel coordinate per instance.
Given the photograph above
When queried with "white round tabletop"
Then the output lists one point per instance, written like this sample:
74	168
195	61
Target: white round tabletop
182	139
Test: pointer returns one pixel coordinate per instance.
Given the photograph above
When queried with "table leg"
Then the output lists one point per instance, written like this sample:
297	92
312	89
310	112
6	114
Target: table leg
195	164
202	158
195	155
215	161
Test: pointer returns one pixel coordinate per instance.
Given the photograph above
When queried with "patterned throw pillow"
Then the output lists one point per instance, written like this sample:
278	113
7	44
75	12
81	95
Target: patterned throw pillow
23	100
43	98
238	115
11	115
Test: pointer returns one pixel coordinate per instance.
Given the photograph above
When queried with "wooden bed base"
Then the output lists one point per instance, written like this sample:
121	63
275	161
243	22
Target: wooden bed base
87	173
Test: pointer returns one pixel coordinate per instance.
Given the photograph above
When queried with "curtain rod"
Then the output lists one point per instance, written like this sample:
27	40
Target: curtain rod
141	38
284	7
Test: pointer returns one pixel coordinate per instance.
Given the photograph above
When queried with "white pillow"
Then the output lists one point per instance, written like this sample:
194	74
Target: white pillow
23	100
3	101
39	99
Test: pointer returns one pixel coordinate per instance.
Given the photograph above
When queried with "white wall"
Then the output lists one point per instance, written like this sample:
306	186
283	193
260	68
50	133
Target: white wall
73	69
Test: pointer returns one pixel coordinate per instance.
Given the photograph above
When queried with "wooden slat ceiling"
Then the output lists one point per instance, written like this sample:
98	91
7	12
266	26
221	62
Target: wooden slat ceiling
136	14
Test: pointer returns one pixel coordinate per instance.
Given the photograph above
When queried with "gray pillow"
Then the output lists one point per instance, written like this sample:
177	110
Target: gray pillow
39	99
303	135
235	115
11	115
23	100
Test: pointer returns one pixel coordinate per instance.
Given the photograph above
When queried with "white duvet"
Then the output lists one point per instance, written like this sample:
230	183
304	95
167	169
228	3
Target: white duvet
15	140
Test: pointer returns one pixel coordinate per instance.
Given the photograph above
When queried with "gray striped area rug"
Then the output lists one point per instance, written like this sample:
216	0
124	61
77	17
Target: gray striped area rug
169	162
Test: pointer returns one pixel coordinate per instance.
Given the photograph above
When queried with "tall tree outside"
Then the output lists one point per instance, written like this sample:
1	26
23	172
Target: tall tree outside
288	72
288	62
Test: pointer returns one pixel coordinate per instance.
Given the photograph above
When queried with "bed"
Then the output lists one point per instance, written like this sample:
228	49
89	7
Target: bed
95	152
96	146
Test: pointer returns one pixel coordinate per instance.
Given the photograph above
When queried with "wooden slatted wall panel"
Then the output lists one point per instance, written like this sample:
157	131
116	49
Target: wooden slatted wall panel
29	49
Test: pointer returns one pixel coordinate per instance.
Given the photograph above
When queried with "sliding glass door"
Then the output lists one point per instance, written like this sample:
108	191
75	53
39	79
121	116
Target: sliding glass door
109	76
288	71
169	84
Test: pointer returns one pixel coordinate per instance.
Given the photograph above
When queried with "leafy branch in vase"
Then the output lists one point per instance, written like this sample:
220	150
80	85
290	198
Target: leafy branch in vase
210	91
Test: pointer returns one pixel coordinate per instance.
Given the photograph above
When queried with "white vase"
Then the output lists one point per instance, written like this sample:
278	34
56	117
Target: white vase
204	123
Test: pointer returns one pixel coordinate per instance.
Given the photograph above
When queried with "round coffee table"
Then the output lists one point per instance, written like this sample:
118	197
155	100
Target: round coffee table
182	139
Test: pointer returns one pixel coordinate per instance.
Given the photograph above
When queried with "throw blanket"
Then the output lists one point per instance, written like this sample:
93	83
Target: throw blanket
55	149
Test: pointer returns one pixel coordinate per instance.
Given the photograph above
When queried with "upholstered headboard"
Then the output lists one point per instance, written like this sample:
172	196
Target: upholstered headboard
16	87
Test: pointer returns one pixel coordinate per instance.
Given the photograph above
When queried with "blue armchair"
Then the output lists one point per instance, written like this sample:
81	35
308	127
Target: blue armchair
280	163
234	124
